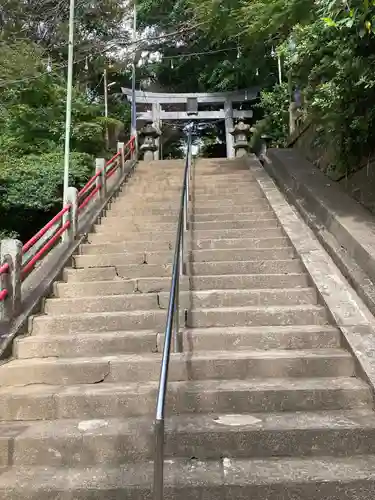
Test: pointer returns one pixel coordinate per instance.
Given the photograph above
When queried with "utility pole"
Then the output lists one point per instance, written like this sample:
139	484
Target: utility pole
106	107
134	107
69	90
279	68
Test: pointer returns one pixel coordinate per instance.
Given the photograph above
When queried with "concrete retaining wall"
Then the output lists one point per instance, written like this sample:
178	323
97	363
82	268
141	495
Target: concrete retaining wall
343	226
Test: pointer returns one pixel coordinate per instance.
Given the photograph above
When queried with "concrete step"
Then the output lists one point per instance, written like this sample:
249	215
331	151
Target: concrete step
76	288
194	268
260	206
93	401
144	211
257	316
198	318
113	343
147	198
312	478
126	246
94	274
240	223
214	244
245	267
188	299
228	204
265	214
135	225
121	234
198	187
87	344
154	246
252	196
276	337
117	441
202	365
198	227
207	204
116	209
140	219
166	257
164	193
103	303
249	190
153	319
241	254
133	271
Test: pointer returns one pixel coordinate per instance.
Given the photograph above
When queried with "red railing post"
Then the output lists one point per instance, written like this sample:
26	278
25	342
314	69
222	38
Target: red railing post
10	279
101	179
134	147
72	200
120	149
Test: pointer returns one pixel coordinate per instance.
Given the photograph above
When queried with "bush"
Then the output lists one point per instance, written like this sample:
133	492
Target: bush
31	189
275	107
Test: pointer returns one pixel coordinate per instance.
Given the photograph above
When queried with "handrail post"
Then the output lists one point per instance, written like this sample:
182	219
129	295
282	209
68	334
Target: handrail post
72	200
134	147
159	459
120	149
10	280
101	179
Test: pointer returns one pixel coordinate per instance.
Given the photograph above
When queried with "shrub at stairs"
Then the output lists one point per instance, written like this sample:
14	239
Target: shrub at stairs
31	189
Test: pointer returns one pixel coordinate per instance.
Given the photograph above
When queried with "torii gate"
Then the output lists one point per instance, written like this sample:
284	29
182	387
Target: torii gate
228	102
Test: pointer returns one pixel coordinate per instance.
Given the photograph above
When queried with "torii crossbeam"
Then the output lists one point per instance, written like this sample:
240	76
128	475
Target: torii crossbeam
156	102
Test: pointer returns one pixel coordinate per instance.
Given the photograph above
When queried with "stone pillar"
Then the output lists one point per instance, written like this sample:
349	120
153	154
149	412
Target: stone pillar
149	147
264	141
241	133
294	116
228	113
72	199
11	254
156	108
101	180
120	149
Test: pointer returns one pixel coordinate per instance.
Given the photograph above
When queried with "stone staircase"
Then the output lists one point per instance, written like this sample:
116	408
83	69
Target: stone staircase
263	403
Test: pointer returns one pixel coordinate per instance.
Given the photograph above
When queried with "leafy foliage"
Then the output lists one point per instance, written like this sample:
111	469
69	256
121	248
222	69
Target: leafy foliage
327	50
274	104
33	58
31	188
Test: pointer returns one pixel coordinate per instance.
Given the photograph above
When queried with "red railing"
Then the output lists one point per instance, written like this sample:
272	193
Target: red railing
58	222
3	270
92	187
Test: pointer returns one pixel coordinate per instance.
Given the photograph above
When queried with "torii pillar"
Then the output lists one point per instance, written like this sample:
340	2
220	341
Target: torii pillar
228	113
156	108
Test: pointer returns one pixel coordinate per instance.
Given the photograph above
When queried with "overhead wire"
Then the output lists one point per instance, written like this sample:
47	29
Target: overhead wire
112	46
135	46
207	52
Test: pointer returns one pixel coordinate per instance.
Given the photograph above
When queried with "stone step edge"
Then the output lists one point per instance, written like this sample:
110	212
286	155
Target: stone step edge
195	386
197	356
189	253
137	312
194	424
216	330
257	475
183	278
211	291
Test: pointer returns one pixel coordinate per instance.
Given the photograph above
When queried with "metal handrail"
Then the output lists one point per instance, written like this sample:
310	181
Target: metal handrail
172	329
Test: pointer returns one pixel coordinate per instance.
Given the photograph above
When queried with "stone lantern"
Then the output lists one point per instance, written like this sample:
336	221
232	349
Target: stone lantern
265	139
241	133
149	146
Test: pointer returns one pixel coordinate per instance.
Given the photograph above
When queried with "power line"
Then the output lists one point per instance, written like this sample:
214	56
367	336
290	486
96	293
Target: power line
4	83
199	53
